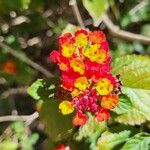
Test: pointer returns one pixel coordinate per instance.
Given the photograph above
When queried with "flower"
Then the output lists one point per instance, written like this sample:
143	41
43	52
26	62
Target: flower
9	67
54	56
79	119
102	114
62	147
81	38
77	65
104	86
81	83
109	101
97	36
66	107
86	101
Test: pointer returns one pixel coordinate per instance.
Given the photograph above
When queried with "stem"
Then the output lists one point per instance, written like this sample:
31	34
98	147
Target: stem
116	31
76	11
27	118
25	59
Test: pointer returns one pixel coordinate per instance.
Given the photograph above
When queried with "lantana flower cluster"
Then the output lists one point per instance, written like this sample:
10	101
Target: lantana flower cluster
84	61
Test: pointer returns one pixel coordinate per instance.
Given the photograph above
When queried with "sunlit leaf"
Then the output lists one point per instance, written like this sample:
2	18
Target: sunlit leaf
109	140
8	145
95	8
135	76
140	141
123	106
139	112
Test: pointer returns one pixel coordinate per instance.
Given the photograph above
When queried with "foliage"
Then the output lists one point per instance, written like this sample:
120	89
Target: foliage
95	8
140	140
109	140
16	137
135	86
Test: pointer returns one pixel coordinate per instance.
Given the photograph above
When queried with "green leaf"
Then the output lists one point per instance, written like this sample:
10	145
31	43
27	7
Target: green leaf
95	8
140	112
140	141
123	106
43	89
109	140
57	126
6	5
33	89
134	71
91	127
135	76
91	130
146	29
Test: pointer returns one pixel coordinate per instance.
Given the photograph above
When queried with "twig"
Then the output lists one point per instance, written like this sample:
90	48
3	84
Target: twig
75	8
13	91
116	31
27	118
138	7
25	59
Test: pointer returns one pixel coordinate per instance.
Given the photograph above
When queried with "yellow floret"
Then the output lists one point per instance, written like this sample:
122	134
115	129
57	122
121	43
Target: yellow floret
68	50
77	66
81	83
104	86
81	40
66	107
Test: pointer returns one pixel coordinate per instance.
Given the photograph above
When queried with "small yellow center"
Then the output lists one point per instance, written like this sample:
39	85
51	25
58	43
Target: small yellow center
68	50
81	40
78	66
81	83
104	86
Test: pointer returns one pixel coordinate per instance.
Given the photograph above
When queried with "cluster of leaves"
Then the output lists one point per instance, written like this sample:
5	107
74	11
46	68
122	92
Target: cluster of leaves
17	136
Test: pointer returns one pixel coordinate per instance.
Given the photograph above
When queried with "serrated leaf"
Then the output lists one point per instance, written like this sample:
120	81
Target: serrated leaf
135	76
109	140
57	126
123	106
140	141
95	8
121	62
140	112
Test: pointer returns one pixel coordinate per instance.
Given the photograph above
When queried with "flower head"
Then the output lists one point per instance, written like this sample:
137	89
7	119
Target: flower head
84	61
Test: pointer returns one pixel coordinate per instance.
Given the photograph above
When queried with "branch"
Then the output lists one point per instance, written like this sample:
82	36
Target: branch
13	91
116	31
27	118
25	59
76	11
138	7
